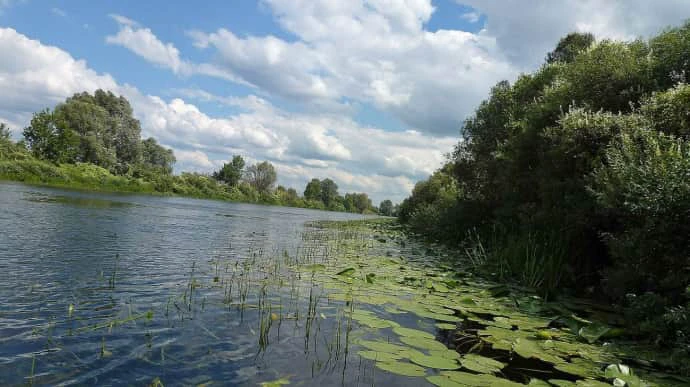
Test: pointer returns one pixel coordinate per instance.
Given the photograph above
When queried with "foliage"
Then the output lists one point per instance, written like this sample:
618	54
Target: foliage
313	190
231	172
569	47
386	208
261	176
644	188
576	174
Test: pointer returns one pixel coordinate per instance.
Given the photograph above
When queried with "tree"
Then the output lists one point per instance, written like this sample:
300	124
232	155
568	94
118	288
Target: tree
313	190
49	141
156	157
231	172
329	191
386	208
261	176
4	132
569	47
357	202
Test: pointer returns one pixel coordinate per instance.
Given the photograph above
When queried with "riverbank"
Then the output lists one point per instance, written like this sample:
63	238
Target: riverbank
89	177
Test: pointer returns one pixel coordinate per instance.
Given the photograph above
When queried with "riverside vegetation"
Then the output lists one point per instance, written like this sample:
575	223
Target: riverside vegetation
93	142
573	180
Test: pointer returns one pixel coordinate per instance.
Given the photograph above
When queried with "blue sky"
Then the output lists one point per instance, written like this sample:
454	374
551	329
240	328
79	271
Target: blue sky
371	93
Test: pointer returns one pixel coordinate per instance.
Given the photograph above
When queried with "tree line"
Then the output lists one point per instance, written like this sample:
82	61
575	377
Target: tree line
575	179
94	141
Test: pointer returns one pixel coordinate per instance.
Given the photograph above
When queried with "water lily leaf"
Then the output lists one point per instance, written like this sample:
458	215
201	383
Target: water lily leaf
443	381
349	272
380	346
580	367
624	374
538	383
446	326
530	349
464	379
407	332
379	356
481	364
428	344
401	368
436	362
373	321
439	287
593	332
448	354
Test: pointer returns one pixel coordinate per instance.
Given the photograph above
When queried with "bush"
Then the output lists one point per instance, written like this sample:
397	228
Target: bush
644	191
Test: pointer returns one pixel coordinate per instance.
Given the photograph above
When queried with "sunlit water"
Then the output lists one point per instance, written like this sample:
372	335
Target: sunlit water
95	290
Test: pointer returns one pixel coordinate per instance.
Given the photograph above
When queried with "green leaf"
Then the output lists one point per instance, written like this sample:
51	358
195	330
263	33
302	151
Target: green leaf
349	272
593	332
481	364
436	362
423	343
407	332
401	368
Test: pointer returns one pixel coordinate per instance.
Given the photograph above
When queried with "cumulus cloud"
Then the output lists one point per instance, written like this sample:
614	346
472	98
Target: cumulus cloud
301	145
144	43
526	30
374	52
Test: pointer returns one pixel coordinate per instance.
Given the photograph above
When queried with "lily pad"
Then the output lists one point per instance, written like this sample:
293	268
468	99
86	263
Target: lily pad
379	356
446	326
530	349
593	332
481	364
580	367
422	343
349	272
401	368
436	362
381	346
464	379
407	332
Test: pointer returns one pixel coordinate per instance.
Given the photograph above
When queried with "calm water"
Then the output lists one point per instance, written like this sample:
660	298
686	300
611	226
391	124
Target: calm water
95	290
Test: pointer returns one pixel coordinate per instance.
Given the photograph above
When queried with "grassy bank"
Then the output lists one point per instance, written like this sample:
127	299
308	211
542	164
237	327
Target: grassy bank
84	176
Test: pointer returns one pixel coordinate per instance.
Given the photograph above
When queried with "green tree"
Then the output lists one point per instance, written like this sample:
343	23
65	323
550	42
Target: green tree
313	190
5	133
49	139
569	47
262	176
156	157
386	208
231	172
329	191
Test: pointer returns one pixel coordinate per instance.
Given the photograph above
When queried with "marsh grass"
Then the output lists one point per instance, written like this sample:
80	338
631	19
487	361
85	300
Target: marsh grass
533	258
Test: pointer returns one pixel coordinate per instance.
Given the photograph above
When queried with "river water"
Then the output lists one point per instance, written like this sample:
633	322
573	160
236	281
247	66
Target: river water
95	290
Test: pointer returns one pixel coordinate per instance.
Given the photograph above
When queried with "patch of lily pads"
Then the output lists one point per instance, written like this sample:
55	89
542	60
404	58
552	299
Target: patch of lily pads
507	327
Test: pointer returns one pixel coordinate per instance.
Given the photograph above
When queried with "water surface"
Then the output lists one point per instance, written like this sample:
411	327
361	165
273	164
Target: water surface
95	289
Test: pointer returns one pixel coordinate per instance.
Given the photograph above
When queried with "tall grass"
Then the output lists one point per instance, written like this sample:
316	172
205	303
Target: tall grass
534	258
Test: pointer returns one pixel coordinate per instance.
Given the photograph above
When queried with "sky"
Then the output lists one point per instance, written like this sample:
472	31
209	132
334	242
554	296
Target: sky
371	93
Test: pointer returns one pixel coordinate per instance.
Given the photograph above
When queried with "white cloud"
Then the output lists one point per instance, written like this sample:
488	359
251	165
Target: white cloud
368	51
526	30
301	145
144	43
